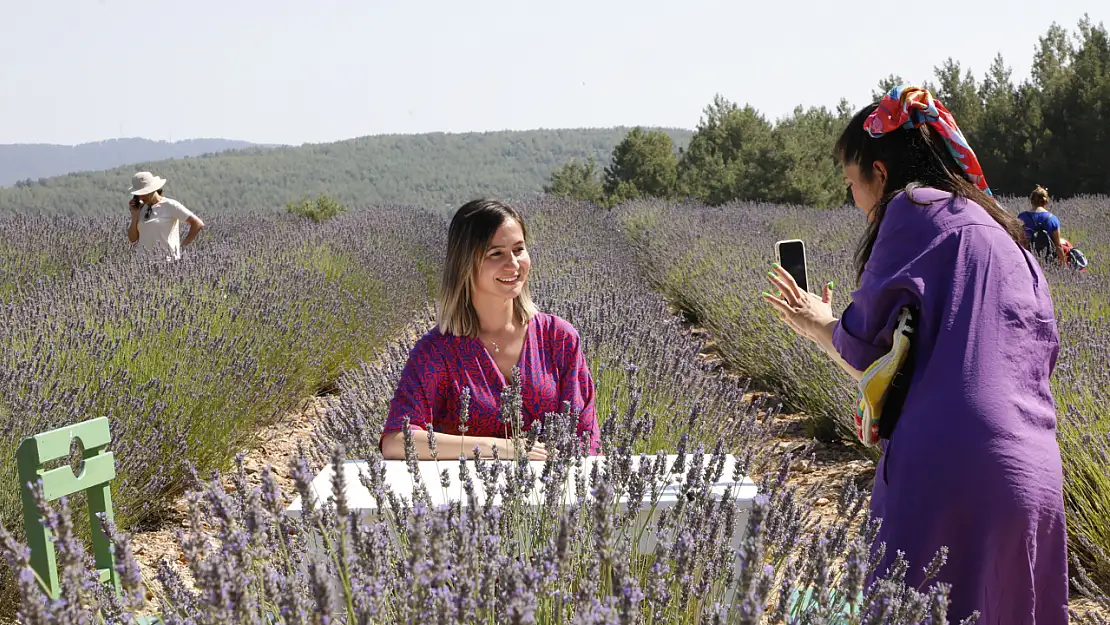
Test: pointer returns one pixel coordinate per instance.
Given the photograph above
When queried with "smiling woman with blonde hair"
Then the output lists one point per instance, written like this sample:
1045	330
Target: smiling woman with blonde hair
487	325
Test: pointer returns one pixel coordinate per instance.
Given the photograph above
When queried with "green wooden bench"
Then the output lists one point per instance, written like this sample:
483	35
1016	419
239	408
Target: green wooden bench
97	471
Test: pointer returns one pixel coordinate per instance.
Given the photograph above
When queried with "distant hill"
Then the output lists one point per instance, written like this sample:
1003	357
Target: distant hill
434	170
31	161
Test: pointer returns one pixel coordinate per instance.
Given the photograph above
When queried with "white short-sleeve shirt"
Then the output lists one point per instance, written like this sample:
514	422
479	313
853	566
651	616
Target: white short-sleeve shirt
162	229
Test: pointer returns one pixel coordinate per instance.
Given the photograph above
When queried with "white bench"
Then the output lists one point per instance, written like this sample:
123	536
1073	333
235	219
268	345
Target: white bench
667	488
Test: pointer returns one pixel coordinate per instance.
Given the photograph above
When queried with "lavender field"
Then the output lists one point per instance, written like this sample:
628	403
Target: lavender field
711	261
190	360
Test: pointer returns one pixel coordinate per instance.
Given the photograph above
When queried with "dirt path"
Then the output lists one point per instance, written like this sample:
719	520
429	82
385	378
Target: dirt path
824	471
276	446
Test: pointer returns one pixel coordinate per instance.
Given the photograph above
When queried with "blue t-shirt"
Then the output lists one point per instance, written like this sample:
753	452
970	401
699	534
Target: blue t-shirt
1035	219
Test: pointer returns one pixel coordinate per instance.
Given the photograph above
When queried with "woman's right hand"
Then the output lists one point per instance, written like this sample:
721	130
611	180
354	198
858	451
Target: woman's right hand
452	446
135	207
538	451
506	451
806	313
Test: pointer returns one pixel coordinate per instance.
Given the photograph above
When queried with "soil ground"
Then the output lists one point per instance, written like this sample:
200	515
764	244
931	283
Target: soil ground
277	446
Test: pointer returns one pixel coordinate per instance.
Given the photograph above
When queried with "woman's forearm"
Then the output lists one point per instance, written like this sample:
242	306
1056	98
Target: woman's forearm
194	229
448	446
1059	242
824	339
189	237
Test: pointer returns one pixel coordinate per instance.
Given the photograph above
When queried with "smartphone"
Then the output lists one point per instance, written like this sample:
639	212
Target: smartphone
792	257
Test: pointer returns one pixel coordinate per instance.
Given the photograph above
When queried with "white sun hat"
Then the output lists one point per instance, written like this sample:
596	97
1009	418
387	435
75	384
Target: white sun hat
145	182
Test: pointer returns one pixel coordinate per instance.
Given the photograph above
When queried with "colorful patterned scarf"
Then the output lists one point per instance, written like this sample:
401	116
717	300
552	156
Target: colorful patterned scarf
910	107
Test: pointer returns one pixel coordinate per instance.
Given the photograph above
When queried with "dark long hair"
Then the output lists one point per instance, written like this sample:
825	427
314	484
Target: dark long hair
914	157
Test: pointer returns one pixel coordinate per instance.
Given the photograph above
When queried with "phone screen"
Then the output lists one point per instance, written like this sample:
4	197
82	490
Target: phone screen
792	257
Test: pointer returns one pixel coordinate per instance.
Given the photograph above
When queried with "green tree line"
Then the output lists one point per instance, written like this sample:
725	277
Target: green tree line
434	170
1051	129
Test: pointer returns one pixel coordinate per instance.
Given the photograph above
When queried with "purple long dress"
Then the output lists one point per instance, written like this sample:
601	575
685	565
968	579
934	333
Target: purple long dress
973	462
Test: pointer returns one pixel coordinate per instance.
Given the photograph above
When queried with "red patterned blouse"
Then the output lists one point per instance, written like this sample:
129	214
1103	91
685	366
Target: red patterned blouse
552	366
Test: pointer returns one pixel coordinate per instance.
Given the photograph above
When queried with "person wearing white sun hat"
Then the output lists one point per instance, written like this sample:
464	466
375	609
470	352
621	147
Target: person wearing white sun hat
156	220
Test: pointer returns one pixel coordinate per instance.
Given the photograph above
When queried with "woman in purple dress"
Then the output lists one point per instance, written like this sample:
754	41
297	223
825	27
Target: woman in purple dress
972	462
486	326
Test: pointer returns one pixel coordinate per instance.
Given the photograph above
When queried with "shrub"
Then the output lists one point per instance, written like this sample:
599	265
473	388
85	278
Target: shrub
582	563
322	208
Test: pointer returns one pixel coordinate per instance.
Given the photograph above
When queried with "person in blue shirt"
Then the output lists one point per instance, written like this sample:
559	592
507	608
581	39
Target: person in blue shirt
1042	228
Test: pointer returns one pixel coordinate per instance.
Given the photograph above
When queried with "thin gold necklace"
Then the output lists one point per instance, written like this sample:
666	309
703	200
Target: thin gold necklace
496	347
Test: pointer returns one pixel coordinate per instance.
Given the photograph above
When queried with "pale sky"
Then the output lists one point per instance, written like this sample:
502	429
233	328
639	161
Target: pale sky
284	71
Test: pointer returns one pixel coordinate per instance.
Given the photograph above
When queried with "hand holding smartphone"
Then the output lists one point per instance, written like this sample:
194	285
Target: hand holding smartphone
791	255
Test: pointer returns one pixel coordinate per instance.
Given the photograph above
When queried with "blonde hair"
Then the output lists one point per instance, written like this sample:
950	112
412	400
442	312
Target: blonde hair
472	229
1039	197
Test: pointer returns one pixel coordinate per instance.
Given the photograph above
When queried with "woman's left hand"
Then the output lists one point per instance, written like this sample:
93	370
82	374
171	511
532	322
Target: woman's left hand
808	314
